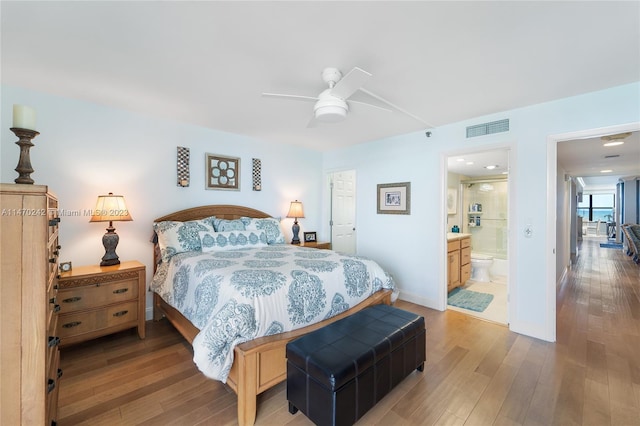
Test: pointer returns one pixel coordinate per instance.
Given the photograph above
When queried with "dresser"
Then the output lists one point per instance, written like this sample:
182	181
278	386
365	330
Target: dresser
29	354
99	300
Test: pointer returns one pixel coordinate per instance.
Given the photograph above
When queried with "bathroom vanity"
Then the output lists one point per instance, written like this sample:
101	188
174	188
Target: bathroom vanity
458	259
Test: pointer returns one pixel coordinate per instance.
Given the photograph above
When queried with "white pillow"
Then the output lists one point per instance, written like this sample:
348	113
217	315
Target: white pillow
222	225
270	225
179	237
231	240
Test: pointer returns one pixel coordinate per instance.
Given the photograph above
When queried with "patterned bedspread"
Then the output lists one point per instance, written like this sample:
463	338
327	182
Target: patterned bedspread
235	296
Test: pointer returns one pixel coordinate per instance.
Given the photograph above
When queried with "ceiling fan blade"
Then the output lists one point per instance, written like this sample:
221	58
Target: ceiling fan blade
312	122
350	83
381	99
351	101
290	97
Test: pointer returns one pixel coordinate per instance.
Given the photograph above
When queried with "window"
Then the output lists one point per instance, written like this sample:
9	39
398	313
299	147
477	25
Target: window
594	207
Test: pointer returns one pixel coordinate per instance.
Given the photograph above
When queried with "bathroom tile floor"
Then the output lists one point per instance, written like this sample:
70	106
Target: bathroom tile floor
497	309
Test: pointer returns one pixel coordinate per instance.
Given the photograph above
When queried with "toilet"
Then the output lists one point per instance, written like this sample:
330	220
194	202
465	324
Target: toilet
480	265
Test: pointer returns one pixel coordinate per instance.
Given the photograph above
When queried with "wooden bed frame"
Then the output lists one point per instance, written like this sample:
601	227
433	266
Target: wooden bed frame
258	364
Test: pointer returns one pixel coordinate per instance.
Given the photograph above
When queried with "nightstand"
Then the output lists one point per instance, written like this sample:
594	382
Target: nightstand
317	244
99	300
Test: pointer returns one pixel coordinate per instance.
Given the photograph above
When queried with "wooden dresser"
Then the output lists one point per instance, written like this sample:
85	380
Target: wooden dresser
99	300
29	355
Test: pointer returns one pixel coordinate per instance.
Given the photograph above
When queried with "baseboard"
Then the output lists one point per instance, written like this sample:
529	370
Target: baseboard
419	300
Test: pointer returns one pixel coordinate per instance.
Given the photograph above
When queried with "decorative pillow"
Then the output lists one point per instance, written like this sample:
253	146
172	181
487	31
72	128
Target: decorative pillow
231	240
223	225
209	220
179	237
270	225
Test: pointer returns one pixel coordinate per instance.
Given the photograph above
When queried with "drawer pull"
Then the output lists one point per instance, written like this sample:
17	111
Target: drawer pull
53	341
120	291
121	313
72	324
51	385
72	299
56	308
59	373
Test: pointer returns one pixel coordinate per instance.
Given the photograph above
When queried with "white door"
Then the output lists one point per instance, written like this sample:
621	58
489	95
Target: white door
343	211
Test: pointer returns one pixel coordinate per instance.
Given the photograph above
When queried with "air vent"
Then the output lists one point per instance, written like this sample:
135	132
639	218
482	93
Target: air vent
488	128
612	156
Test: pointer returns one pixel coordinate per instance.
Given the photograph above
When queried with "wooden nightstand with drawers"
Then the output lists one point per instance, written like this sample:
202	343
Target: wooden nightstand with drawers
99	300
316	244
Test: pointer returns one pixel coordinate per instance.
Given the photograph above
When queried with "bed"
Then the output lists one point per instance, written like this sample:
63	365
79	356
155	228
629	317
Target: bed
260	363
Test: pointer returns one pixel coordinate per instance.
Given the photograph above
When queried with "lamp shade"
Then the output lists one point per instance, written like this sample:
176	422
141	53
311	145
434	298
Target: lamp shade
110	208
295	210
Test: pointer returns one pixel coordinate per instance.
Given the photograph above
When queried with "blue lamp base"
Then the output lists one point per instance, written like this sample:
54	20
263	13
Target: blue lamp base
296	230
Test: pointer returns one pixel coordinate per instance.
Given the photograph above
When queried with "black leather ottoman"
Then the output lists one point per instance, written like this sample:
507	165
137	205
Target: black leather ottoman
337	373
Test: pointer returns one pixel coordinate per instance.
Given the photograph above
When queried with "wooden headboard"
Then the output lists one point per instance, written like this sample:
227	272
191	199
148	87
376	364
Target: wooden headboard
222	211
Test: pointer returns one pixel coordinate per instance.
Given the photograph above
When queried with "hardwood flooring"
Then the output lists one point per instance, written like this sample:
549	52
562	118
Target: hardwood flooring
477	372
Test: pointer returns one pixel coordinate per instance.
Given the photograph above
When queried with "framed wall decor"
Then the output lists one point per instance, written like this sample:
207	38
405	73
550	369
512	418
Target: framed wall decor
183	166
394	198
257	174
222	172
452	201
310	237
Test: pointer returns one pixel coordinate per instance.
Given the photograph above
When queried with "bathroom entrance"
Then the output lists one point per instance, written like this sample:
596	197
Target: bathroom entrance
479	181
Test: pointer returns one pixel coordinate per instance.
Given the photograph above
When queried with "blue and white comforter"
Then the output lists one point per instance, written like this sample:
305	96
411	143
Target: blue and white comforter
236	296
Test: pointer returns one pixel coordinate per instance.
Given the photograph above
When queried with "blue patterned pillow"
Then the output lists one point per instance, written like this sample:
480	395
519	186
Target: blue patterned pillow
223	225
231	240
179	237
270	225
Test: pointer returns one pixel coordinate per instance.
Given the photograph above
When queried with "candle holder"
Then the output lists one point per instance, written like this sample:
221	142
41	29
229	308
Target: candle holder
24	168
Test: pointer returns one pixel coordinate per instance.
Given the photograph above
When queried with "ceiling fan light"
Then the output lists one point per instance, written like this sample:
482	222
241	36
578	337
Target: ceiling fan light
330	114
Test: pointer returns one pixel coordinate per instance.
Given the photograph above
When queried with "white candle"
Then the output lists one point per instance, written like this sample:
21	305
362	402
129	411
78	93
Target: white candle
24	117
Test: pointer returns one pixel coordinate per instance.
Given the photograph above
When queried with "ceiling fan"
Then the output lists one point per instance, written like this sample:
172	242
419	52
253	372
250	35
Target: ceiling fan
332	105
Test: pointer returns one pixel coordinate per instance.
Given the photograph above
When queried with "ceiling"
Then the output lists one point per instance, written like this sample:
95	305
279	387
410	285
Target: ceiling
208	62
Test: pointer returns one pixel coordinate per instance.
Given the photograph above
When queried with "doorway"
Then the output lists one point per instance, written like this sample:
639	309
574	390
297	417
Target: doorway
559	209
480	183
342	214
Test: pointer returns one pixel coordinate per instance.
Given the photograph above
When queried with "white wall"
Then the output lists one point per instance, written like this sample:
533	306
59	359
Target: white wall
413	247
85	150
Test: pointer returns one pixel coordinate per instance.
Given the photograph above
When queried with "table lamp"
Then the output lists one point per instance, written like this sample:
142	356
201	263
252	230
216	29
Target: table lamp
295	211
110	208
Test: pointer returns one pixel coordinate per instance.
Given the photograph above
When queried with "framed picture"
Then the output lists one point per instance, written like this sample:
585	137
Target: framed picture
310	237
452	200
394	198
222	172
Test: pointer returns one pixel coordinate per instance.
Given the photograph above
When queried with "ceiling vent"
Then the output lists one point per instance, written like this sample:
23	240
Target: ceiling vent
488	128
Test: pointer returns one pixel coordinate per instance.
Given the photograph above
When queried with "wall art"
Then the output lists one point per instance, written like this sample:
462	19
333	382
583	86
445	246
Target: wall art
257	174
222	172
183	166
452	201
394	198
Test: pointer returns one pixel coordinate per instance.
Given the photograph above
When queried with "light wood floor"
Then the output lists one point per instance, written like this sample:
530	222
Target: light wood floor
477	373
